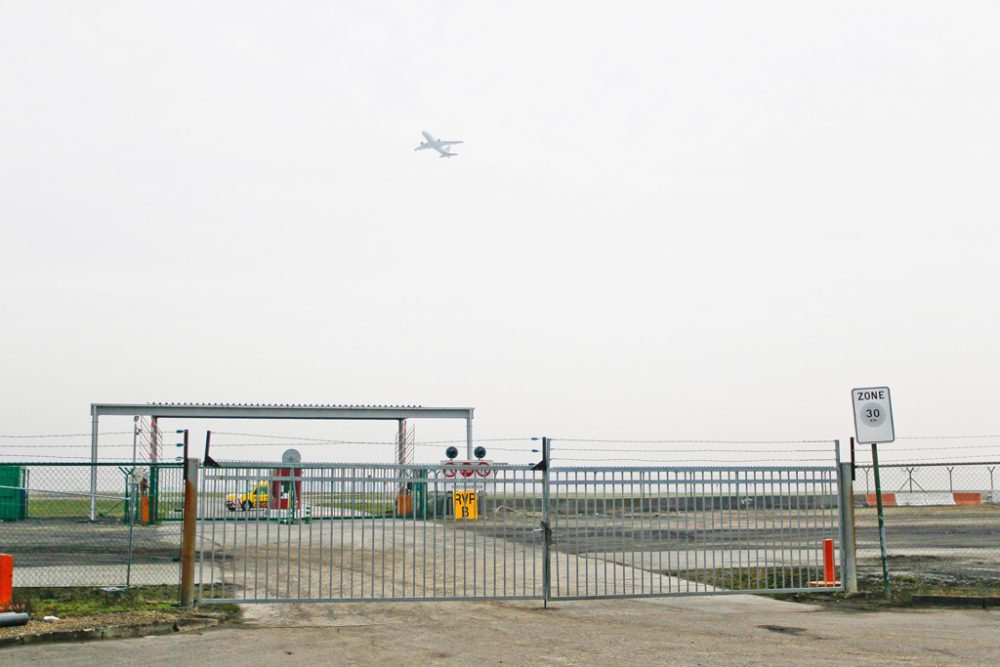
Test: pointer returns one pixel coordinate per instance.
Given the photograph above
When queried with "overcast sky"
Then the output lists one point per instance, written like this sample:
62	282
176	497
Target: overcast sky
668	220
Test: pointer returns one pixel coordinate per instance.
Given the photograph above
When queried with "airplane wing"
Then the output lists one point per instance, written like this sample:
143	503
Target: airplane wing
449	143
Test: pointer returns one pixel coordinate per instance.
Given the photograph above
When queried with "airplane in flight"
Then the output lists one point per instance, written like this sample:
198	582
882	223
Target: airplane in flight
439	145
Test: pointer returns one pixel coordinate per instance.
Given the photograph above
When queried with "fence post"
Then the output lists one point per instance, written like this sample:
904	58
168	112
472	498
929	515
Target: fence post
189	531
131	504
543	466
848	536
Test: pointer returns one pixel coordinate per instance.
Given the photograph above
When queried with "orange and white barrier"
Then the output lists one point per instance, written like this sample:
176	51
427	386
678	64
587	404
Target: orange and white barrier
923	499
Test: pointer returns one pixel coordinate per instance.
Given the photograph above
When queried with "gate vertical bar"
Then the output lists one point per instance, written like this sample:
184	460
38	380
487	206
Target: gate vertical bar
843	509
546	529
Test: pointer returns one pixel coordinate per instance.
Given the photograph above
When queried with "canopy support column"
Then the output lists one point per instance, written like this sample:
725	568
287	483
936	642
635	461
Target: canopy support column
468	439
93	464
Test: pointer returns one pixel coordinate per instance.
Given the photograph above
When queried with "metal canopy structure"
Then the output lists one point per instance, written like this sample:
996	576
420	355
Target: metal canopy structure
398	413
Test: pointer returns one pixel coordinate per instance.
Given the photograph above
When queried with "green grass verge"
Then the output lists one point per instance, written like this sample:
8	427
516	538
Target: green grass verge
751	578
73	601
72	508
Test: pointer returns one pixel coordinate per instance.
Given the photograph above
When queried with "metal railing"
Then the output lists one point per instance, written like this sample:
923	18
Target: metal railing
629	532
271	533
368	532
321	532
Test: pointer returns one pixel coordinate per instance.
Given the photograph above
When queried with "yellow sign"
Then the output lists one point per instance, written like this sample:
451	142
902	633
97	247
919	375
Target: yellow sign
466	505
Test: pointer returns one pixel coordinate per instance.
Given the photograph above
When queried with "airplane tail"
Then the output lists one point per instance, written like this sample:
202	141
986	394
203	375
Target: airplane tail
448	154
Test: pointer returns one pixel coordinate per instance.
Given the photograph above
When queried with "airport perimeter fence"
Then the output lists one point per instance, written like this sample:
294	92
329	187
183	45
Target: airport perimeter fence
127	533
942	523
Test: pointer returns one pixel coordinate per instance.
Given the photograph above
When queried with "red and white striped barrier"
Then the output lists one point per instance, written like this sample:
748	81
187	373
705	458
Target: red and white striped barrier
923	499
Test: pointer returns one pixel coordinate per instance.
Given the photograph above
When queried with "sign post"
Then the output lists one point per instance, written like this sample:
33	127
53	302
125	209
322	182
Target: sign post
873	424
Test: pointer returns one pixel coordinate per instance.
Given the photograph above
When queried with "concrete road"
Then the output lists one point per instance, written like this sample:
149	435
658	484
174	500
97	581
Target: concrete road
729	630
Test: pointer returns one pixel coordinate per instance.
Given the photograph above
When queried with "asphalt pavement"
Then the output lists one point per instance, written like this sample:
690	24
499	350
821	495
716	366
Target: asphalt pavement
710	631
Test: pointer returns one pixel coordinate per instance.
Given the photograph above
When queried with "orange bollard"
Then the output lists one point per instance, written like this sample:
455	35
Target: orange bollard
6	581
829	567
404	504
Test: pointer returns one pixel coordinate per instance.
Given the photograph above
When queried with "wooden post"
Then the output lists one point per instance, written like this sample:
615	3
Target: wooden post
189	533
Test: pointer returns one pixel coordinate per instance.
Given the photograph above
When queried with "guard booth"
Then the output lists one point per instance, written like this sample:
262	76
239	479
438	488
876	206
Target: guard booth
286	489
13	493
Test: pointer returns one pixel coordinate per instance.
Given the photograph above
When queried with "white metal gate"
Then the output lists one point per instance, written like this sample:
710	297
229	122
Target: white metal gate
370	532
321	532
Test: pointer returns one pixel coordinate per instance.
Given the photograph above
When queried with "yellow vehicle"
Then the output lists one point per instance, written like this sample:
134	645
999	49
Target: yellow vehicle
255	498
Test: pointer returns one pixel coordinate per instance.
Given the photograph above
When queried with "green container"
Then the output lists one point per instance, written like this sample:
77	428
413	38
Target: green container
13	493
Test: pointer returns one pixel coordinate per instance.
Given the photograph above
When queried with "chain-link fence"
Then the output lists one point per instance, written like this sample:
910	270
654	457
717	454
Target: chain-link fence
942	523
134	537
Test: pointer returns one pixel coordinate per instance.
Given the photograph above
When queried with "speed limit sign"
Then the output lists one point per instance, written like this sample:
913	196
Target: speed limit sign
873	415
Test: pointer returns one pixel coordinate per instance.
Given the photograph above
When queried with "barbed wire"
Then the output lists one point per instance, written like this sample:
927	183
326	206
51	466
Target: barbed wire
919	449
948	437
306	439
318	443
51	446
700	460
44	456
895	455
883	461
675	451
938	461
61	435
828	441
